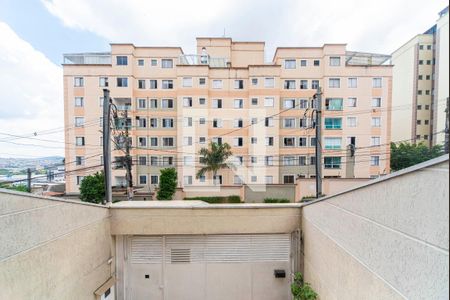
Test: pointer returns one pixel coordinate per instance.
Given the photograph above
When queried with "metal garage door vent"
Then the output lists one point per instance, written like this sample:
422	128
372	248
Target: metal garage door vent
180	255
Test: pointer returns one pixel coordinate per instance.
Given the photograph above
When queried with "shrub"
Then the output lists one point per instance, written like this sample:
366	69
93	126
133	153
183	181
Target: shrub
167	184
276	200
217	200
92	188
302	290
234	199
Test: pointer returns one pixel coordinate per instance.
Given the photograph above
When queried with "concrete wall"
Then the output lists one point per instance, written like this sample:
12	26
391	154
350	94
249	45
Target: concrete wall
387	240
51	248
257	194
307	186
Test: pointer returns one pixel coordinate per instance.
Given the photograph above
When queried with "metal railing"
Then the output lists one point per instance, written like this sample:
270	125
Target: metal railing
195	60
87	58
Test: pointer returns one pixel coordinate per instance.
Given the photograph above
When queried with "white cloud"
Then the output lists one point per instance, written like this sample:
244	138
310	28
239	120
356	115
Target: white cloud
377	26
32	96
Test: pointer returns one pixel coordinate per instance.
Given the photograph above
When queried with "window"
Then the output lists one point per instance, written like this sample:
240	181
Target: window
376	122
78	82
187	121
351	102
103	81
333	104
428	62
154	179
429	47
79	179
143	179
316	63
427	92
238	123
79	141
167	103
302	142
290	64
238	142
420	77
288	179
142	160
268	179
351	122
238	103
303	103
187	180
315	84
419	107
154	62
289	142
303	122
237	180
167	123
79	101
269	122
303	84
425	137
254	140
188	160
333	143
187	102
202	121
202	140
419	122
153	103
239	84
333	123
302	160
217	103
254	101
289	84
312	161
201	101
122	82
313	142
153	123
269	141
334	83
142	141
254	178
154	142
269	82
141	122
167	160
168	142
427	107
217	140
79	121
420	62
217	123
187	82
288	103
122	60
142	103
217	84
376	102
202	179
254	160
268	160
375	141
303	63
335	61
202	81
421	47
153	84
428	77
418	137
419	92
141	84
79	160
269	102
377	82
427	122
140	62
167	63
353	83
254	81
154	161
167	84
374	160
289	123
332	162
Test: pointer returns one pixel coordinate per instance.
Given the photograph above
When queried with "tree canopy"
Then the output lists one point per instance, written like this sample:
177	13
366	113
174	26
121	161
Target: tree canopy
214	158
92	188
167	184
405	155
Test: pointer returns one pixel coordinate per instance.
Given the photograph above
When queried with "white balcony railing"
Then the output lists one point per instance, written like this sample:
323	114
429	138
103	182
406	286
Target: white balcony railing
87	59
195	60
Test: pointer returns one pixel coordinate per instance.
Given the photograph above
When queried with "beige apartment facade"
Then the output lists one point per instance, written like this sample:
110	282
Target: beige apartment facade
420	86
177	104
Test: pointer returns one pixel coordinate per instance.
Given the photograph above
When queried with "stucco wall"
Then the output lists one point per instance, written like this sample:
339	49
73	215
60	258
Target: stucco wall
387	240
52	249
257	194
307	186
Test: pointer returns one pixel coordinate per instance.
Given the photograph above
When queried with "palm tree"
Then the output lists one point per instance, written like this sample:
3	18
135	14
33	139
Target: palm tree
214	159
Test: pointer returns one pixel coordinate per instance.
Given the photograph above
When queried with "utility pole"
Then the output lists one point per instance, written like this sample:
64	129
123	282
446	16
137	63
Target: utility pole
107	146
318	98
128	161
29	180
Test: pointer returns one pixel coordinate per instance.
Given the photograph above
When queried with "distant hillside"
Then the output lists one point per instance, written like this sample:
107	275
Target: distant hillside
13	163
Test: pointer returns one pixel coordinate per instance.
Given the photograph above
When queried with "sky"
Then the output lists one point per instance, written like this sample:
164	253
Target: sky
34	34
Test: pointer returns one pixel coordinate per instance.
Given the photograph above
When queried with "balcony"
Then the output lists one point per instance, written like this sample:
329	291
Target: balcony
198	60
103	58
353	58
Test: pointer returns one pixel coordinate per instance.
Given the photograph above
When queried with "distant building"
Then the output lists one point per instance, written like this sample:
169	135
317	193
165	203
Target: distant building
420	86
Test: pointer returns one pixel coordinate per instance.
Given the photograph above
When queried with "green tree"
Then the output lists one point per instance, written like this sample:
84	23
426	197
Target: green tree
92	188
19	188
167	184
405	155
302	290
214	159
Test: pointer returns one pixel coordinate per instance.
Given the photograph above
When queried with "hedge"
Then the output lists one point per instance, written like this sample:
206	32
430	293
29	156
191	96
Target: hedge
276	200
217	200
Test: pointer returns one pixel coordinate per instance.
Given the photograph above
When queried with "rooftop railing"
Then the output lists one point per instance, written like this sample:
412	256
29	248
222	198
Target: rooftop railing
87	58
195	60
366	59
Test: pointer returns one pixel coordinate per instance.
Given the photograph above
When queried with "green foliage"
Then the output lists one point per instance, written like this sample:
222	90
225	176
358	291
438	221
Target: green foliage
92	188
167	184
217	200
405	155
19	188
302	290
214	158
276	200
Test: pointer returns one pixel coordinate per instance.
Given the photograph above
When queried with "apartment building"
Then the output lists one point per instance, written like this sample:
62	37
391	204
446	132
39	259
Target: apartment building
177	104
420	86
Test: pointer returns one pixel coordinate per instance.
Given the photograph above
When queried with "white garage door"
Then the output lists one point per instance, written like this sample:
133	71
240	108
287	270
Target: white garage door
208	267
